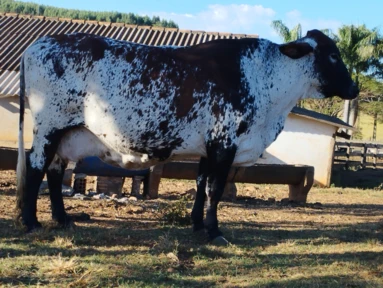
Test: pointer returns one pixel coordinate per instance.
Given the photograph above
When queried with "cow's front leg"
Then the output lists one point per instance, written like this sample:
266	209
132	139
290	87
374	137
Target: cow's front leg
199	203
220	160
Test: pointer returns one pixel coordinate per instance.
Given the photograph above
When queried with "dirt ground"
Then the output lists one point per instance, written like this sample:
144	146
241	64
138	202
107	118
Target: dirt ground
334	241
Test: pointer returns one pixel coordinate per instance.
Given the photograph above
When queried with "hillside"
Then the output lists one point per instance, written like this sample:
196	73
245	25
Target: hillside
30	8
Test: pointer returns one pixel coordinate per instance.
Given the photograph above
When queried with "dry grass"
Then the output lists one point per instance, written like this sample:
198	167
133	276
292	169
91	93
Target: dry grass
59	266
336	244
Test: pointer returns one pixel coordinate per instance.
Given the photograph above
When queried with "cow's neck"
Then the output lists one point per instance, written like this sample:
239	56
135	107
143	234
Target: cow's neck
276	81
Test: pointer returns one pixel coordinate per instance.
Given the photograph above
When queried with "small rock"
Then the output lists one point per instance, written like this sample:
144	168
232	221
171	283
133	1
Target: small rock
133	198
172	257
136	209
123	200
220	241
81	197
99	196
171	270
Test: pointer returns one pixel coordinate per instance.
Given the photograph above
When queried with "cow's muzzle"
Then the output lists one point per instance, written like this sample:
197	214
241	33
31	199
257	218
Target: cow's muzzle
353	92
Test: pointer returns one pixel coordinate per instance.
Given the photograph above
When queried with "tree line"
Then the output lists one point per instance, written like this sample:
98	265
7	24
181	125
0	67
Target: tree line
30	8
362	52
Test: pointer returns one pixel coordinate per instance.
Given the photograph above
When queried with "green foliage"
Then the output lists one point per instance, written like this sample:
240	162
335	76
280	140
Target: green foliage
285	33
292	34
330	106
371	96
30	8
357	45
175	213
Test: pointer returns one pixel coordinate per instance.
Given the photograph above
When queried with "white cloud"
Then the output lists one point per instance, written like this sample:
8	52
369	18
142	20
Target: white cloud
233	18
294	17
246	19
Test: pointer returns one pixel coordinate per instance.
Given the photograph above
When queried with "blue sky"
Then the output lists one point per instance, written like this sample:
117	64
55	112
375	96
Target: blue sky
241	16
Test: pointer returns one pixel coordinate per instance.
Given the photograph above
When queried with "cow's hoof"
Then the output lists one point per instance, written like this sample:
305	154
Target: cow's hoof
29	227
220	241
63	221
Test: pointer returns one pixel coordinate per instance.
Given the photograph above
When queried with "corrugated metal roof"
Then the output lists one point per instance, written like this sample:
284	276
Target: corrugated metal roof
334	121
17	32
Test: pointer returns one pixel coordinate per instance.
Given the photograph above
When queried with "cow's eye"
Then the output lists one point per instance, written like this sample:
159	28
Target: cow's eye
334	58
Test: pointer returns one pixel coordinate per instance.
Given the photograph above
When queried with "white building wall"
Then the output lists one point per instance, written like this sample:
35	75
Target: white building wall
9	123
306	142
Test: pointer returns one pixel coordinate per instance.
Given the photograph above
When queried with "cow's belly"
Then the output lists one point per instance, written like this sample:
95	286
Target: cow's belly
80	143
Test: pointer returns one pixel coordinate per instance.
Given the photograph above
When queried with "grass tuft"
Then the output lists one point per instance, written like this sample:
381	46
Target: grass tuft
60	266
175	213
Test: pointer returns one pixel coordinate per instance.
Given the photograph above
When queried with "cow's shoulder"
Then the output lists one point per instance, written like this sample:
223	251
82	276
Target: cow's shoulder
218	60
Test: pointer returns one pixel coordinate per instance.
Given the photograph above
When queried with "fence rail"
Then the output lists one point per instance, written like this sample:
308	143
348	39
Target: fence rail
358	154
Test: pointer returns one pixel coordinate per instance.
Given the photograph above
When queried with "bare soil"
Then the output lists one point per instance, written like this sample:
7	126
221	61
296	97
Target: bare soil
333	241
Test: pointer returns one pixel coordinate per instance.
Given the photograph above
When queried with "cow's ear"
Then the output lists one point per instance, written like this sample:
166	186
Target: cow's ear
296	50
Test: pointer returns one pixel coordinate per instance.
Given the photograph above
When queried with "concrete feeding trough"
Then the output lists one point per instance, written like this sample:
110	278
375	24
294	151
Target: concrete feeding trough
300	178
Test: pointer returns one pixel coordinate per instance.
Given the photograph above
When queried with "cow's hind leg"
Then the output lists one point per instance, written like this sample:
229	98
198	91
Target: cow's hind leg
220	159
55	175
27	199
40	156
199	203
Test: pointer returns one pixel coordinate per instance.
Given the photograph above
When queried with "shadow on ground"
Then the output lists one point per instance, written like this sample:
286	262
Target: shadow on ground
363	179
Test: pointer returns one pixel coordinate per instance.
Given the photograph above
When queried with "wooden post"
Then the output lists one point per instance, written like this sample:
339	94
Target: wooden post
67	180
230	192
153	182
375	155
298	193
364	155
348	155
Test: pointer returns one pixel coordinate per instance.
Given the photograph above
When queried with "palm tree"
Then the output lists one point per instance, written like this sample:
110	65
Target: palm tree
293	34
285	33
357	45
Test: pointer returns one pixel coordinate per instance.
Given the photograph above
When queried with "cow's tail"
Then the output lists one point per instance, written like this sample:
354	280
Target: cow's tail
21	161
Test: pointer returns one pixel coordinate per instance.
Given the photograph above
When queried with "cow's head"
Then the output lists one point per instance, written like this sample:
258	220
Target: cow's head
331	73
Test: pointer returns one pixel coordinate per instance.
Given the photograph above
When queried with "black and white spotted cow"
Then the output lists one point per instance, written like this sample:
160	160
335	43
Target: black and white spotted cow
135	105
